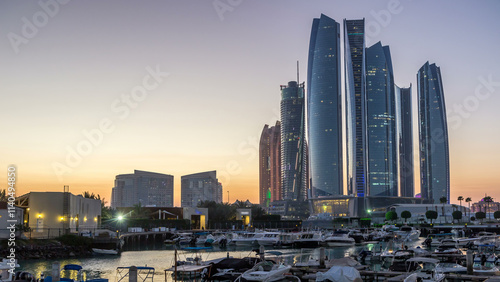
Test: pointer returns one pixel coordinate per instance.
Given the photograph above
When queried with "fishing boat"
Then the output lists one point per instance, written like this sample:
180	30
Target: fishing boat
265	271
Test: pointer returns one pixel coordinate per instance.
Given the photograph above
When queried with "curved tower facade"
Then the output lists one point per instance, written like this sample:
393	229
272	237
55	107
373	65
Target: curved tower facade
433	135
324	112
381	151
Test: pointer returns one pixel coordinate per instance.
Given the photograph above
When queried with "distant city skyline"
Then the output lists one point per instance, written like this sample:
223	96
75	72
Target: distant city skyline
180	87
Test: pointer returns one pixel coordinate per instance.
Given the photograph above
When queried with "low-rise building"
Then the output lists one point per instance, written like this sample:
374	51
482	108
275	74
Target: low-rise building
6	220
56	213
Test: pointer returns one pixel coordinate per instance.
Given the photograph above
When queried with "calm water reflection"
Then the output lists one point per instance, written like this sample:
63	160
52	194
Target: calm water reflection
161	257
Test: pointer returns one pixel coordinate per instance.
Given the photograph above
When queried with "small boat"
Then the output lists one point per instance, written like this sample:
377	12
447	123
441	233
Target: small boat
229	269
269	239
104	251
339	273
73	270
340	238
5	270
245	239
287	239
407	233
425	270
487	268
196	248
265	271
309	240
451	267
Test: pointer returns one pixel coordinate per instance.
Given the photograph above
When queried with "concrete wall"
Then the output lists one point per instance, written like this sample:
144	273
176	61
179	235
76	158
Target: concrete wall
46	211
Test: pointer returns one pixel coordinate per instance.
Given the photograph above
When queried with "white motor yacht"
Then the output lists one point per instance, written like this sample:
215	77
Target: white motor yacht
269	239
245	239
265	271
311	239
339	239
407	233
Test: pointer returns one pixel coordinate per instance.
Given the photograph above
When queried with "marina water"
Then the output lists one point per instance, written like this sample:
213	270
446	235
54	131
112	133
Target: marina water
161	257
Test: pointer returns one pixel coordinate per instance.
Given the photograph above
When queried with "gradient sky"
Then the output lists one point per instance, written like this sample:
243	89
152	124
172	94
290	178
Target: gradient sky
225	69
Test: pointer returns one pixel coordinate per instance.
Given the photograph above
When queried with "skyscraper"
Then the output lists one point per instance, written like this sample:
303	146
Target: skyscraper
143	187
381	150
354	41
198	187
293	153
405	133
324	108
433	135
270	164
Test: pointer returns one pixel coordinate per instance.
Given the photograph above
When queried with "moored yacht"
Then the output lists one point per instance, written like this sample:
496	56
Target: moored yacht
407	233
339	238
269	239
309	239
245	239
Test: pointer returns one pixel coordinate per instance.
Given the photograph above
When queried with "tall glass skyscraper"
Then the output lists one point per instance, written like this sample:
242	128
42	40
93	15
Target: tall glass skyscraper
324	112
354	47
405	135
381	151
293	152
433	135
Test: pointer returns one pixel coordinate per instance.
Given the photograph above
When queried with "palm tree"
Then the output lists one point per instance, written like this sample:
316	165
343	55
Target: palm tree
488	200
3	195
443	201
460	199
468	200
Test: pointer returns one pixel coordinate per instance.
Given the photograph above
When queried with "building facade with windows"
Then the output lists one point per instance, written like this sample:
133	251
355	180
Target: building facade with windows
324	109
144	188
433	135
270	164
355	84
198	187
293	145
405	135
381	151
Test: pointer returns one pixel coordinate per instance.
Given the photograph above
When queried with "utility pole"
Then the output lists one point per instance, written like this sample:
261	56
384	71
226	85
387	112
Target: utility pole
228	196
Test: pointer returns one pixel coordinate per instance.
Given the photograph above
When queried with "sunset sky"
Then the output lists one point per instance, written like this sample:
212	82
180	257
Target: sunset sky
211	72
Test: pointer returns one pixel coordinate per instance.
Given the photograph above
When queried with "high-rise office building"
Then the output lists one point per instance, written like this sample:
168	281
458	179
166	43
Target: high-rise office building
324	111
354	49
293	152
405	135
433	135
381	150
198	187
270	164
144	188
